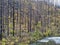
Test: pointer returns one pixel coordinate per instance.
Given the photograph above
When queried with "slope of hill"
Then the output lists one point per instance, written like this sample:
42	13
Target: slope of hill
29	20
31	13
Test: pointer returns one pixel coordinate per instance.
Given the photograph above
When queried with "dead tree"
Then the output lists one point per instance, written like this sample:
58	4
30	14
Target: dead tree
13	18
1	20
30	16
20	18
8	19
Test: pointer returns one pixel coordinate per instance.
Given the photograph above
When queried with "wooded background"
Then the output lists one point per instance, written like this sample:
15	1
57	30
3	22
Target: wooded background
28	19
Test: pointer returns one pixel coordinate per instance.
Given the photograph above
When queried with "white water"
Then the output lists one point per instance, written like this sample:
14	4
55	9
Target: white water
47	39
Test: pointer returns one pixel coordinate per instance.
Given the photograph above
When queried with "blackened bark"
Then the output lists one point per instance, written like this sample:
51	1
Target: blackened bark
30	17
8	19
20	18
13	19
1	20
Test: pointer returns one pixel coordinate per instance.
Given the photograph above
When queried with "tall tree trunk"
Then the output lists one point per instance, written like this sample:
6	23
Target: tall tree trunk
30	16
13	19
20	18
1	20
8	19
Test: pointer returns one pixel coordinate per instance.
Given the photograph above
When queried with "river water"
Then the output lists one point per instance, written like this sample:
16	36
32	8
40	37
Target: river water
46	40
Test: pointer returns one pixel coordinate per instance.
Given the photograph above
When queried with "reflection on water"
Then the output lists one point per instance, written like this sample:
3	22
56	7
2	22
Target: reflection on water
56	40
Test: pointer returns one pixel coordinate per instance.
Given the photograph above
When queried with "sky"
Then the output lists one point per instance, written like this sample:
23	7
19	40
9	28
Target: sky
56	2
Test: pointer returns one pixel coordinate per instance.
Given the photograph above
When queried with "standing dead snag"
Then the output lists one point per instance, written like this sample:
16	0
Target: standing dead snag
13	19
0	19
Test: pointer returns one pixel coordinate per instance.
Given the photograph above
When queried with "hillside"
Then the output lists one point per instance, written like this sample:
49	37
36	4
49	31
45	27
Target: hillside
29	15
26	21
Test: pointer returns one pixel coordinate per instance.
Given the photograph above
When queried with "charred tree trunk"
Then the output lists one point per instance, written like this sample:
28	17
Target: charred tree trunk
13	19
8	19
20	18
1	20
30	17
